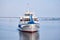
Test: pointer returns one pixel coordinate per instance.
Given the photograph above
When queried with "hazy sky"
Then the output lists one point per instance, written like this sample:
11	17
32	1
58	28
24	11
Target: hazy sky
42	8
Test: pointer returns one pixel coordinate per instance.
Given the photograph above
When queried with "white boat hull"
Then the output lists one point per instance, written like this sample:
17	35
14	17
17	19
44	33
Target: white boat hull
30	28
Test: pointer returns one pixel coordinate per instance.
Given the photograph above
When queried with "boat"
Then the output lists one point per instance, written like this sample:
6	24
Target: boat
29	22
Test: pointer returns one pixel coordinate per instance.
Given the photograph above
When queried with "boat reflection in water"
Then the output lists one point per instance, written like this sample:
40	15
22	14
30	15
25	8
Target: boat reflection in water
28	36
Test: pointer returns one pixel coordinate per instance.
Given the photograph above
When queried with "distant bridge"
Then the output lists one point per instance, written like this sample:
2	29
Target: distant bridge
40	18
9	17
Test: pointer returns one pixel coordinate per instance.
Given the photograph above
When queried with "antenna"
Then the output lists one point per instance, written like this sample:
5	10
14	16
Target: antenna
28	8
28	11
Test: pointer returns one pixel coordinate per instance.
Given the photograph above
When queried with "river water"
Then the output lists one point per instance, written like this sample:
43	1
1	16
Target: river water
49	30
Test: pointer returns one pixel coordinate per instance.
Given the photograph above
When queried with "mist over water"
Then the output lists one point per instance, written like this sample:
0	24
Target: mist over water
49	30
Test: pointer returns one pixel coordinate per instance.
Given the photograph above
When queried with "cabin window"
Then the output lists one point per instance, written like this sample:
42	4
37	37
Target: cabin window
35	19
28	14
27	19
21	20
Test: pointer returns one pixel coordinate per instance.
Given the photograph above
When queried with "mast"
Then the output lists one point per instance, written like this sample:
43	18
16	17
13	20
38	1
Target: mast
28	12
